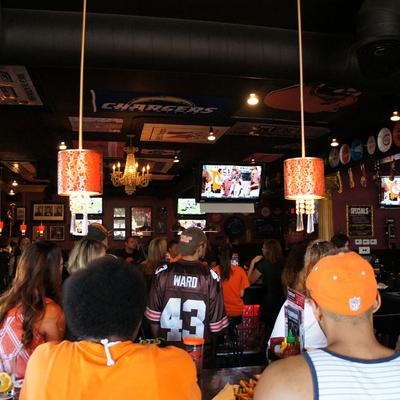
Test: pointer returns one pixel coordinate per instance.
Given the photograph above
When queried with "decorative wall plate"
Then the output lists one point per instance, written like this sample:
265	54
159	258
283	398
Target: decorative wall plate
334	157
344	154
384	140
357	150
371	145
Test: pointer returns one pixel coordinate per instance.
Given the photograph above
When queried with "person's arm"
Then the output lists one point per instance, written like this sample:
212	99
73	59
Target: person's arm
155	304
217	317
52	326
253	273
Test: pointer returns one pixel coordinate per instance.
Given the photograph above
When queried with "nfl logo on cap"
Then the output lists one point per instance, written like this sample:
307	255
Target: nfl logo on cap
355	303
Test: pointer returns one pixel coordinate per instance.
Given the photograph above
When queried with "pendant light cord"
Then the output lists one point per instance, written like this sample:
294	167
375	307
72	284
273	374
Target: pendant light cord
303	142
81	76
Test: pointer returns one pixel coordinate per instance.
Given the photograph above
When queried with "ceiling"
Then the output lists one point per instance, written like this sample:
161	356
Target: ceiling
202	59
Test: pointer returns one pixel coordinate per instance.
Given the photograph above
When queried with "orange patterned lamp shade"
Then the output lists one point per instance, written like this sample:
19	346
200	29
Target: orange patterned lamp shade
304	182
40	229
1	226
23	228
304	178
80	172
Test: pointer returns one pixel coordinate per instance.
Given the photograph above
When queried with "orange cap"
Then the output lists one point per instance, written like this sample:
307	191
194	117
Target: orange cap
343	284
193	341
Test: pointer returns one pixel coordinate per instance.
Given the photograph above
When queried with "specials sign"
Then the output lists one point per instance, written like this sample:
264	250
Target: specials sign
360	221
150	103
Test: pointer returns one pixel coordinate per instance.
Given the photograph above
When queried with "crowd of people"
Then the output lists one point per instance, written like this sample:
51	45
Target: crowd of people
72	333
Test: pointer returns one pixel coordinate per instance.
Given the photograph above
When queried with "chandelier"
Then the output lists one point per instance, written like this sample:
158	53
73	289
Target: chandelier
132	177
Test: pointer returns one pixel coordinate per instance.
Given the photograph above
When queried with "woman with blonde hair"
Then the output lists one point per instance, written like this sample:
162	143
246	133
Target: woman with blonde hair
313	335
85	251
156	256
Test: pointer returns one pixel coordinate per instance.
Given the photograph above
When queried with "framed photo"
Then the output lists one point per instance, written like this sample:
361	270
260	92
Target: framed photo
21	214
57	232
36	236
48	212
141	221
119	235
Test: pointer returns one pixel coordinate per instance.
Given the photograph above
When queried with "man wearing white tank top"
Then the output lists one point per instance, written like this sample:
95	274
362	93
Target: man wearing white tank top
354	365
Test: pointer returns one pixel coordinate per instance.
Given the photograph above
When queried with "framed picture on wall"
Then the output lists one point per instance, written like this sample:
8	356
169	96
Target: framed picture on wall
21	214
57	232
141	221
48	212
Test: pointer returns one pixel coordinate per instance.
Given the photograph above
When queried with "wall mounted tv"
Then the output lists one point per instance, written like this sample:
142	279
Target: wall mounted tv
389	192
190	223
188	206
235	182
96	205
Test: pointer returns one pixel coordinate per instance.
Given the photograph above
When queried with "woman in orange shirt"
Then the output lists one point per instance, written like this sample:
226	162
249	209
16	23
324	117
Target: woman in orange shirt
234	281
29	310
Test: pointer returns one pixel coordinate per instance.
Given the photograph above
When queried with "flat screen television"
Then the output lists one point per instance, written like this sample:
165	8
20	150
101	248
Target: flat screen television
188	207
189	223
389	192
235	182
96	205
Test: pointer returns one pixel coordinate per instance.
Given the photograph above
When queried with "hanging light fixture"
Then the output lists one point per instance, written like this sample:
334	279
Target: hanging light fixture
132	177
252	100
80	171
14	183
395	116
176	159
11	192
40	229
62	146
211	135
23	228
334	143
303	176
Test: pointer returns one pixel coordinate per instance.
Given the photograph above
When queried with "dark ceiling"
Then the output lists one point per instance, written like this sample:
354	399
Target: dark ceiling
211	53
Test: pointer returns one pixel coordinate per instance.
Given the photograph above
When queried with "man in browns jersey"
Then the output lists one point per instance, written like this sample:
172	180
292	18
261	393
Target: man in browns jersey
186	297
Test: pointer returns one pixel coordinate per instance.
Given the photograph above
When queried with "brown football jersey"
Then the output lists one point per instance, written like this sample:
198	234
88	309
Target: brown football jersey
186	299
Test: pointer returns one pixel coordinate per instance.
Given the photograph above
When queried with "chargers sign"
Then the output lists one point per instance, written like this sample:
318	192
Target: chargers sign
144	103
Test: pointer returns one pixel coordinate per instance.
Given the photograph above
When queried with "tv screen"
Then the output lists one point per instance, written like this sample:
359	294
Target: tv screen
188	207
190	223
96	205
389	192
230	182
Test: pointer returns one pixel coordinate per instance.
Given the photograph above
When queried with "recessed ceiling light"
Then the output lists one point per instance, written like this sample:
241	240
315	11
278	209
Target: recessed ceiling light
62	146
252	100
334	143
176	159
211	135
395	116
14	183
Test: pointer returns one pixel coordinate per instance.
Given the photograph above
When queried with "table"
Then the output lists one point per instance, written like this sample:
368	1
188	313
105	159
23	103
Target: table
213	380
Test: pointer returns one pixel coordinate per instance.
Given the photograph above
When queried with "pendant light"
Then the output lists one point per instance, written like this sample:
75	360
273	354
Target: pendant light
80	171
303	176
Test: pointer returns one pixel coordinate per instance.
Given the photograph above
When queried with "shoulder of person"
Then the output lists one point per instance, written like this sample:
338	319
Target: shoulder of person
171	354
286	379
53	310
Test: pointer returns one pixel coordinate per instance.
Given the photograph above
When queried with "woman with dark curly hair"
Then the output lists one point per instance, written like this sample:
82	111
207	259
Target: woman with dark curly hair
29	311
